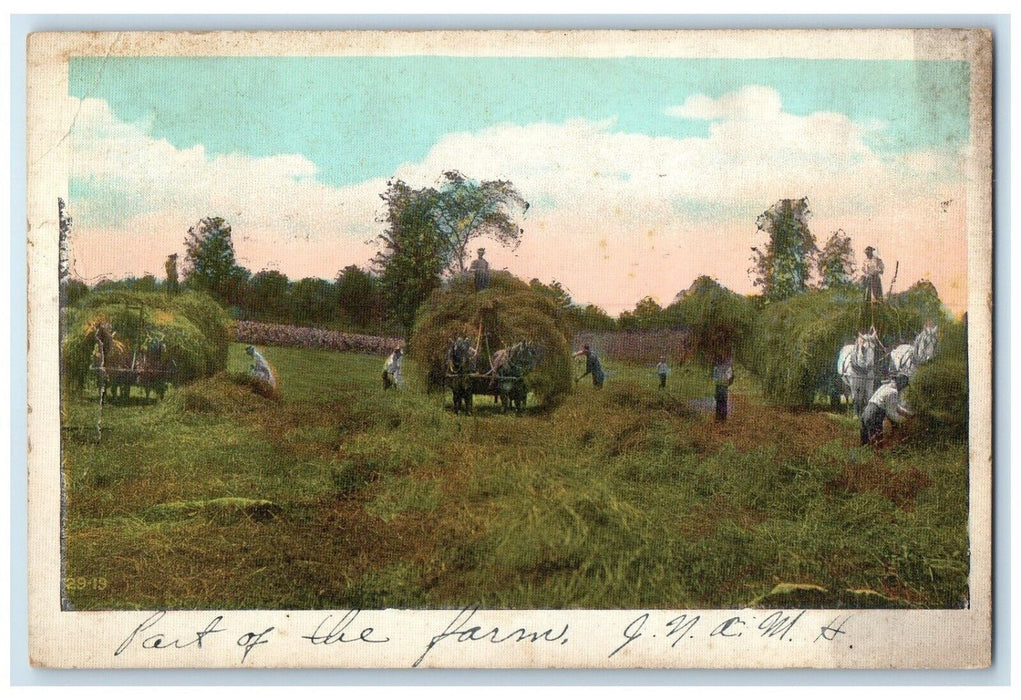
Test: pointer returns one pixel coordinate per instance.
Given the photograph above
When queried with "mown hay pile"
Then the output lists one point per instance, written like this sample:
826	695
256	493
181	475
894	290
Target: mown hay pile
511	312
796	341
939	390
195	331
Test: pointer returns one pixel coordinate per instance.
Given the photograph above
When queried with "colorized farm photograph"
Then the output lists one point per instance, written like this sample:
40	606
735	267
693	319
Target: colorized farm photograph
423	331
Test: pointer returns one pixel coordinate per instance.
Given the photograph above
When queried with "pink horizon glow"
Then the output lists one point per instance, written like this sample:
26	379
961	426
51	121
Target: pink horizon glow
598	265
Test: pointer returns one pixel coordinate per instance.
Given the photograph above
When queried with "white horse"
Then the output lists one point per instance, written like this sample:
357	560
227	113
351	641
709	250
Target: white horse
905	359
856	366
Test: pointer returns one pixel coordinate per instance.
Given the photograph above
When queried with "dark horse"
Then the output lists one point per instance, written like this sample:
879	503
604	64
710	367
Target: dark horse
510	366
460	366
112	363
154	368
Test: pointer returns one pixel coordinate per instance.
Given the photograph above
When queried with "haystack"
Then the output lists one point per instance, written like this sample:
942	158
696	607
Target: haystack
507	312
194	330
797	340
939	390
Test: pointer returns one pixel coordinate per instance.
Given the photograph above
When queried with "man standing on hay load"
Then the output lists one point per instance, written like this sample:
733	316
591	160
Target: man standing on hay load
592	366
480	267
872	276
885	403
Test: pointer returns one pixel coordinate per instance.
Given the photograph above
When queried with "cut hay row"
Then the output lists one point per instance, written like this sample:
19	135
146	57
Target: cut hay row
255	333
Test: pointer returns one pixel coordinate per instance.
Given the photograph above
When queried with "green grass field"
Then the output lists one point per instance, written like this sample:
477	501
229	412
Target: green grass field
339	495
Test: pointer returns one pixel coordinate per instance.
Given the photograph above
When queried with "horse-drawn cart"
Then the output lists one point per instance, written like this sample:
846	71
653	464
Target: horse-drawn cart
504	379
505	389
119	366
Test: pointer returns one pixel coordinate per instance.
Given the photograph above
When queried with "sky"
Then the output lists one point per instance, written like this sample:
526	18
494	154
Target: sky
642	173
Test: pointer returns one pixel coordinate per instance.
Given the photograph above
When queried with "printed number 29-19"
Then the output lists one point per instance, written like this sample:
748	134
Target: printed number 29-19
80	583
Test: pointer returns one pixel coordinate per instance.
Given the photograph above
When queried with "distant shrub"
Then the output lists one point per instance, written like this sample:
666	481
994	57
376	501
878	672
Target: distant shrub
513	312
718	321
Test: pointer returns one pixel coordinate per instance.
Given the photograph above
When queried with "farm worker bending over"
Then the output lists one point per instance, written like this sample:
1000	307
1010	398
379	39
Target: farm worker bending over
260	368
872	275
592	366
885	403
392	369
662	370
723	377
480	267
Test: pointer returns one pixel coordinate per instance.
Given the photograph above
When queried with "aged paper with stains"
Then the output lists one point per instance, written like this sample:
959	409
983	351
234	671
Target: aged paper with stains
202	515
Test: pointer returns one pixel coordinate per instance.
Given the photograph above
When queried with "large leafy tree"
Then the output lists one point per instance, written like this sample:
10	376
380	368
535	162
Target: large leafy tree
836	261
414	253
429	232
647	315
357	294
313	300
594	318
467	209
211	265
268	293
560	297
784	267
171	269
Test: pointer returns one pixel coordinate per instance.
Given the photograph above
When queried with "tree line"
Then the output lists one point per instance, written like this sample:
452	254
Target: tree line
427	236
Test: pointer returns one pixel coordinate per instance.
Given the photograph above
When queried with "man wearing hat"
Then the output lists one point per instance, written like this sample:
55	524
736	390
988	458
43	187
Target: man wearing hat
872	271
592	366
885	403
480	267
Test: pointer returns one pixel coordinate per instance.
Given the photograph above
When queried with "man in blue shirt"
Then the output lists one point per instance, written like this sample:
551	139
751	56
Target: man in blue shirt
592	366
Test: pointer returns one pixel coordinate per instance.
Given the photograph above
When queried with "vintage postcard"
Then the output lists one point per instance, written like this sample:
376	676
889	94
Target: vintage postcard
504	349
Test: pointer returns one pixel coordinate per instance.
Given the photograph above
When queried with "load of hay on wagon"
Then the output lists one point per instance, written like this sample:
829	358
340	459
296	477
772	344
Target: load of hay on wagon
152	339
504	314
797	340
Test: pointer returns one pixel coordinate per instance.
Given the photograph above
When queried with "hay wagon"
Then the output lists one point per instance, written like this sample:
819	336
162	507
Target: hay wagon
118	367
119	380
508	390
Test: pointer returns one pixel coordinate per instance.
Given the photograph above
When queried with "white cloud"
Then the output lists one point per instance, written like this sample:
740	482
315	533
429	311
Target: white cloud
148	187
615	215
752	102
754	155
